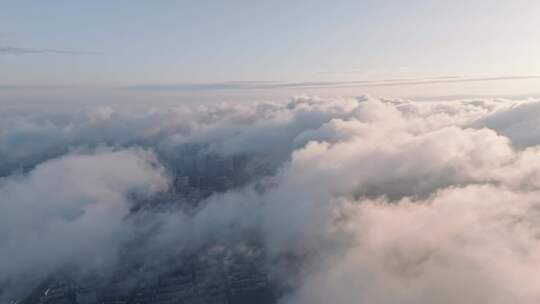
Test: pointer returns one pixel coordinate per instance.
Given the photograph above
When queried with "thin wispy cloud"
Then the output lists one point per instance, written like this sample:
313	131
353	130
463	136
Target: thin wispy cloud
37	86
402	82
276	85
14	50
269	85
226	85
435	81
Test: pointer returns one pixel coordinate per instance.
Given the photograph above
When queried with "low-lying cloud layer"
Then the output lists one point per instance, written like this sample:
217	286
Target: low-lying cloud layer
381	201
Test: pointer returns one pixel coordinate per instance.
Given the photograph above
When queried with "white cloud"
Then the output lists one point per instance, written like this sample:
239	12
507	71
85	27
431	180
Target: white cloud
383	201
71	210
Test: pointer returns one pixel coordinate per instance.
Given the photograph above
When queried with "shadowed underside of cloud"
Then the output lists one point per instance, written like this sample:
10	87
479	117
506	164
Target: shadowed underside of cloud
383	201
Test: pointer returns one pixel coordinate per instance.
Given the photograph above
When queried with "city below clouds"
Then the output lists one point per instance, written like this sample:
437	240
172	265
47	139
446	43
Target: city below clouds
270	152
351	200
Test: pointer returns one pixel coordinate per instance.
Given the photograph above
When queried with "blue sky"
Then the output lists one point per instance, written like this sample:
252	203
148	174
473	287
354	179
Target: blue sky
163	47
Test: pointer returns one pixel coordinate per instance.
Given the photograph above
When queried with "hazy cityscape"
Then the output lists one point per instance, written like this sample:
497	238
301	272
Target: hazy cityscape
269	152
232	272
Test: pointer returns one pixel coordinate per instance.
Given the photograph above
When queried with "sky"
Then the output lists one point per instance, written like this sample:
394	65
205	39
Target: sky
214	50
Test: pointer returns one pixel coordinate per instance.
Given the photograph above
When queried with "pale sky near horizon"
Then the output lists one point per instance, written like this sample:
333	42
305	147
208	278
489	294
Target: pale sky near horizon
260	49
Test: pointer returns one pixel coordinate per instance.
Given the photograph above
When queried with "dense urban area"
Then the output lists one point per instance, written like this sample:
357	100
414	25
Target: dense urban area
231	272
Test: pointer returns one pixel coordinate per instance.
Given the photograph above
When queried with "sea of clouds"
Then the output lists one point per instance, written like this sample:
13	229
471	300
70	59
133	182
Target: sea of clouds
382	200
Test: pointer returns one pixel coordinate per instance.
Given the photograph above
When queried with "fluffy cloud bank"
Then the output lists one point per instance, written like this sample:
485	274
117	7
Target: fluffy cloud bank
462	245
379	201
71	210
